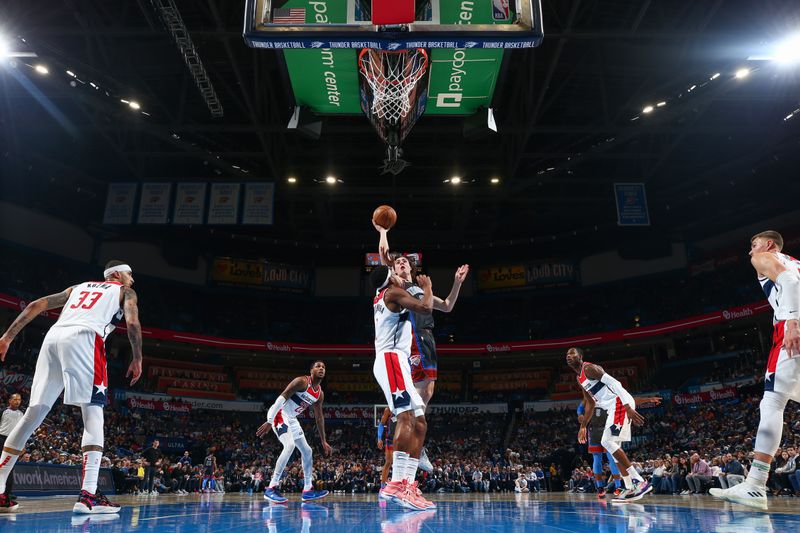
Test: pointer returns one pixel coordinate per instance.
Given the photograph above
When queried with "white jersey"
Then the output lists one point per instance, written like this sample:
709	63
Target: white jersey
392	330
94	305
300	401
769	288
602	395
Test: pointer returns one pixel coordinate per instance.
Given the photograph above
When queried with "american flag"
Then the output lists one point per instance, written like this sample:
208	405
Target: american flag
295	15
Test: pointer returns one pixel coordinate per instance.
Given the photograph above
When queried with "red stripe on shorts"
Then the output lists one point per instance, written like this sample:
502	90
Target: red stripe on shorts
619	413
100	375
396	381
777	346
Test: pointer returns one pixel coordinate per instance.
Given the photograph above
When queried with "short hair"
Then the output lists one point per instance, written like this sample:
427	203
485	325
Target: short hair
315	361
378	276
579	350
770	235
114	263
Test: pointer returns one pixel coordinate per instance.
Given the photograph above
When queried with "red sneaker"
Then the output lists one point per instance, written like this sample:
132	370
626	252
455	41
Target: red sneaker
601	493
415	488
7	504
94	504
393	491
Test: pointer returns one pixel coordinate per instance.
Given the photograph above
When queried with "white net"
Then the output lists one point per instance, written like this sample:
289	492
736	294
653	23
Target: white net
392	76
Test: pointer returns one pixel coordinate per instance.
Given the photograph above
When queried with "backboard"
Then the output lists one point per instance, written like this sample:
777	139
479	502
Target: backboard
292	24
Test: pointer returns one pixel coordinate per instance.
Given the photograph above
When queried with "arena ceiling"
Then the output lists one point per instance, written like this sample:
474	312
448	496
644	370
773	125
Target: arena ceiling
712	158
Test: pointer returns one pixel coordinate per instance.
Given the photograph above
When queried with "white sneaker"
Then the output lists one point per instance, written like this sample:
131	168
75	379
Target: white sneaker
744	494
424	462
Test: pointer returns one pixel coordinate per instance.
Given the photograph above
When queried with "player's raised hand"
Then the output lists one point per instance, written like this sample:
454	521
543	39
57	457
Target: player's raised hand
134	371
380	229
461	273
263	428
635	417
4	344
791	338
424	282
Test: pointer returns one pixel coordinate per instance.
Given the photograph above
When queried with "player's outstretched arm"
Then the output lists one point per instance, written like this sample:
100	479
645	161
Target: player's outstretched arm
383	244
403	299
131	309
319	419
448	303
30	312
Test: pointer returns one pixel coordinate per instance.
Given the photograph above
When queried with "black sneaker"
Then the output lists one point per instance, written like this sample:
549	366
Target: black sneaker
7	504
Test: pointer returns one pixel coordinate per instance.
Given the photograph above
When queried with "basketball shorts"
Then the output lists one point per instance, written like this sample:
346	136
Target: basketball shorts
427	367
617	424
595	432
392	370
72	359
287	425
783	372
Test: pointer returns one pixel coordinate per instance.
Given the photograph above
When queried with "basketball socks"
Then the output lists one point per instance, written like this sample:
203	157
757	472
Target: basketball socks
634	474
411	469
759	472
7	462
399	466
599	483
617	482
91	469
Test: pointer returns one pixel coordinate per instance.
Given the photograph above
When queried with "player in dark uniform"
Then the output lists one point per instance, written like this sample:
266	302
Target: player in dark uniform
210	468
386	443
424	360
597	452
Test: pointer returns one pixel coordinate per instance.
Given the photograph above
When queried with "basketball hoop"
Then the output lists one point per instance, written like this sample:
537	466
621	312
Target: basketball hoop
392	76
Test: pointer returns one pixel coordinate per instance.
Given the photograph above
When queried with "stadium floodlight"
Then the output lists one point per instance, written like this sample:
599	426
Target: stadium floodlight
788	50
331	180
742	73
647	109
5	50
661	104
41	69
291	179
134	105
495	181
455	180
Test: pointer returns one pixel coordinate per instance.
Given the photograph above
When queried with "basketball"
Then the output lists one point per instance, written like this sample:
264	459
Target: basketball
384	216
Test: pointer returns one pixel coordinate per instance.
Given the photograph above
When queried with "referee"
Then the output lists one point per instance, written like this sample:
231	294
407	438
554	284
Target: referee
11	417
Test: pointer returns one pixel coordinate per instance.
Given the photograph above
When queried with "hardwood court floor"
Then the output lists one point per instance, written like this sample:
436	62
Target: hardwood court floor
557	512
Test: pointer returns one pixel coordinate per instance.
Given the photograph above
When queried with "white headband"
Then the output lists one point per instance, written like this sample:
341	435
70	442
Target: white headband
119	268
388	277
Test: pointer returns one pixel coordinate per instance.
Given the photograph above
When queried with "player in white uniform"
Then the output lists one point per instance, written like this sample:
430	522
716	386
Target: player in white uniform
607	394
302	392
392	370
779	276
73	359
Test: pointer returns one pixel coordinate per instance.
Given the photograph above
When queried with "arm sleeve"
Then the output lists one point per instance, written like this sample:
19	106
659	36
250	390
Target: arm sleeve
279	401
381	429
788	284
617	388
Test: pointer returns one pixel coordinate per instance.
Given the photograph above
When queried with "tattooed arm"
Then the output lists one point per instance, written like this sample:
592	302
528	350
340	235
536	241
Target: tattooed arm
131	311
33	309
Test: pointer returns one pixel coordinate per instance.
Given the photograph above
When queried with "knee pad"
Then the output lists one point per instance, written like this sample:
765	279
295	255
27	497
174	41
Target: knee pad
770	427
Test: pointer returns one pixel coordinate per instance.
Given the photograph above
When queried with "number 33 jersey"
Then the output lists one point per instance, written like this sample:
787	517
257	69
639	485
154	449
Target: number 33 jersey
94	305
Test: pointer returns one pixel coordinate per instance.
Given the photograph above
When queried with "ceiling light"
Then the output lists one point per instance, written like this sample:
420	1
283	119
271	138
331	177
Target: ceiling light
134	105
455	180
5	50
70	74
330	180
661	104
648	109
41	69
742	73
127	102
291	180
715	76
495	180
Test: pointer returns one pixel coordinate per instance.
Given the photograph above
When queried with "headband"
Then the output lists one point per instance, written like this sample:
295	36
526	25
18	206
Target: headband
119	268
388	277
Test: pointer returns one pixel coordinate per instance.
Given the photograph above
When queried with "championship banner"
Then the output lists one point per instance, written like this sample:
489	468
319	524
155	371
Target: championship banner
223	207
154	203
159	405
190	203
726	393
631	204
119	203
259	201
36	479
237	271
